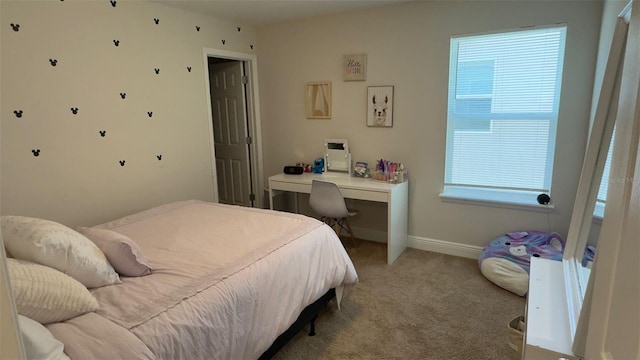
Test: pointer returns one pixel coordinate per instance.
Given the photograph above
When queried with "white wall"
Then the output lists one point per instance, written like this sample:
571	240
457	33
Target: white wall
408	47
77	178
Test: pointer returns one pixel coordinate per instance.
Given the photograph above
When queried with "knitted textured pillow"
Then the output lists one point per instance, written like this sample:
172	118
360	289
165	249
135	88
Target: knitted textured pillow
47	295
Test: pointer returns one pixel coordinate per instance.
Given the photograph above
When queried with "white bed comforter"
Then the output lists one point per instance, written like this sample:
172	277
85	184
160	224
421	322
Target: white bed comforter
227	282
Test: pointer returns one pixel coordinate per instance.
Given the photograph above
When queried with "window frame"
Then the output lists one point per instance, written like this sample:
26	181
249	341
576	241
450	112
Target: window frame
487	194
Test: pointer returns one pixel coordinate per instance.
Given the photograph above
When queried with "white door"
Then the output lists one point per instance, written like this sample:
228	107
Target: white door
230	134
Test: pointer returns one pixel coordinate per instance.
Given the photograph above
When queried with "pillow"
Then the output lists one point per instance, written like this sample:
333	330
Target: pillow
45	294
52	244
38	341
122	252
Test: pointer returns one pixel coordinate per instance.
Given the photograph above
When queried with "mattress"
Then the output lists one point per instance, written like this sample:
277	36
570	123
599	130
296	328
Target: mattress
227	281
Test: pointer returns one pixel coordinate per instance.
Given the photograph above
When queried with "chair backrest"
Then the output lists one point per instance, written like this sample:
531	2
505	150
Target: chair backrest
326	200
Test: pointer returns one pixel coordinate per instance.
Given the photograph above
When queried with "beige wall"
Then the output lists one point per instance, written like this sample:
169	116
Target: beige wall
408	47
77	178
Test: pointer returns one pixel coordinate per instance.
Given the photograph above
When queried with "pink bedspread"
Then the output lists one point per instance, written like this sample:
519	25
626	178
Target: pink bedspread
227	281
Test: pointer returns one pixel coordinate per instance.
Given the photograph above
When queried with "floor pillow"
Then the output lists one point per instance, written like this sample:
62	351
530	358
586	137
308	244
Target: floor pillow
505	261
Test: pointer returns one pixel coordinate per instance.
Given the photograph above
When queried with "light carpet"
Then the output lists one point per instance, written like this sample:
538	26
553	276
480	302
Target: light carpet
424	306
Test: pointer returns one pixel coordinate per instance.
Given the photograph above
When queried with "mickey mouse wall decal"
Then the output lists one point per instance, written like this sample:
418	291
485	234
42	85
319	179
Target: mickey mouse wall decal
157	71
156	20
197	28
74	111
15	27
150	113
238	28
189	68
18	113
224	41
35	152
159	157
103	133
53	62
251	46
113	3
123	95
122	162
116	42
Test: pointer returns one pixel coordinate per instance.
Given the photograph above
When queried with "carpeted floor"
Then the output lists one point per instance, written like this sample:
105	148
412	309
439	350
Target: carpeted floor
425	306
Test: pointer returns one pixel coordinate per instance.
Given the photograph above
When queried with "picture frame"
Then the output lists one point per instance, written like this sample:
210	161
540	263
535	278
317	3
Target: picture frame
354	67
380	106
318	100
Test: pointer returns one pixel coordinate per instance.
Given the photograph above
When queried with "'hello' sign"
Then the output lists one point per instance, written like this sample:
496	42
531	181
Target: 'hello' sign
354	67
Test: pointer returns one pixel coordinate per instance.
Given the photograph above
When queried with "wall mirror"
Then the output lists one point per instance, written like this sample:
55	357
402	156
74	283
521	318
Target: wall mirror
577	271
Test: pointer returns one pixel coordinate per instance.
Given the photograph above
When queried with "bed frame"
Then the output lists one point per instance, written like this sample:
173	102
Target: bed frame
308	315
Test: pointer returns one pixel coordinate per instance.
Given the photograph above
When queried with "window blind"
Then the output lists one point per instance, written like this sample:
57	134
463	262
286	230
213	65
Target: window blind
601	198
504	92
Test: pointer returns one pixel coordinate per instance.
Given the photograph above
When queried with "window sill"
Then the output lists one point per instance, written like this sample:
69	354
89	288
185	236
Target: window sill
529	206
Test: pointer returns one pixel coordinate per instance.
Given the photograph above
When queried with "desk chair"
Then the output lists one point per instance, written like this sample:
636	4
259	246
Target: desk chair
327	201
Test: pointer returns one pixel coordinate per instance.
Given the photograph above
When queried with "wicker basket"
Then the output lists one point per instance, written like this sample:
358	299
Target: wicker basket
517	327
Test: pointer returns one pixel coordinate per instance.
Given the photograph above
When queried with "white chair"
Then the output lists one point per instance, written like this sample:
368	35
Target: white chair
327	201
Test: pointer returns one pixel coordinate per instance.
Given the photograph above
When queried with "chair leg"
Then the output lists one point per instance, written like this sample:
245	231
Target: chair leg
335	225
353	238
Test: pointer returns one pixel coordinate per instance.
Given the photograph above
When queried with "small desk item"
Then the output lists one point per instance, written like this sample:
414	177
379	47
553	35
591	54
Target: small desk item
395	195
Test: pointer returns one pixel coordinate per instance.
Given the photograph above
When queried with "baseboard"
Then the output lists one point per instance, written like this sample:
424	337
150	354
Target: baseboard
426	244
445	247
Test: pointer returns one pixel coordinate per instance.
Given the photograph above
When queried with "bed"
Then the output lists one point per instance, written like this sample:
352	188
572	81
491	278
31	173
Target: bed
224	282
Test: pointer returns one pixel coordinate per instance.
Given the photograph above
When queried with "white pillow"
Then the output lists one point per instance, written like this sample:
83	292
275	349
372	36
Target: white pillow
45	294
122	252
52	244
38	341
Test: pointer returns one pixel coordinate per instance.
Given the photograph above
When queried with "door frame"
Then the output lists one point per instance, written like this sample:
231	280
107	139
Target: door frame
253	115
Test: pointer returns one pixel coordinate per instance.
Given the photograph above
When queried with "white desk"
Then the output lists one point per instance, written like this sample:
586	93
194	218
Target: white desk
395	195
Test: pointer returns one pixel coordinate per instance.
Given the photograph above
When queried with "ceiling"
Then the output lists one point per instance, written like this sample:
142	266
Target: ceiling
266	12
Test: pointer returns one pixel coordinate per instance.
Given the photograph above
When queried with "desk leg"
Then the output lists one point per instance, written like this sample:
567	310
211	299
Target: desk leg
397	219
270	197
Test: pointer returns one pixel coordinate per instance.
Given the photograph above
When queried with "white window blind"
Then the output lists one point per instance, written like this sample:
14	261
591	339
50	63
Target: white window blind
601	199
504	92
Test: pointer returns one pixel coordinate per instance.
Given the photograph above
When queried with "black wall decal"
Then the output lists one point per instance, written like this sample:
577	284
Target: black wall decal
113	3
15	27
238	28
156	20
18	113
159	157
251	46
123	95
122	162
53	62
197	28
116	42
224	42
35	152
150	113
103	133
74	111
157	71
189	68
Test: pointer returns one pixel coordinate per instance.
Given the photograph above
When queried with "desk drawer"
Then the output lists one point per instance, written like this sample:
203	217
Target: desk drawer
293	187
379	196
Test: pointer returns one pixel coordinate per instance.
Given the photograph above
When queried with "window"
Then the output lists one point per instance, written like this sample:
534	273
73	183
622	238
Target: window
601	199
504	92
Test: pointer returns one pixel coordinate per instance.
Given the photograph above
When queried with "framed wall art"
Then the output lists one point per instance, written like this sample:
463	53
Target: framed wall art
380	106
318	100
354	67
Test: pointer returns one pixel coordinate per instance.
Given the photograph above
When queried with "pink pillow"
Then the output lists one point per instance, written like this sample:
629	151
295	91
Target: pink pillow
123	253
